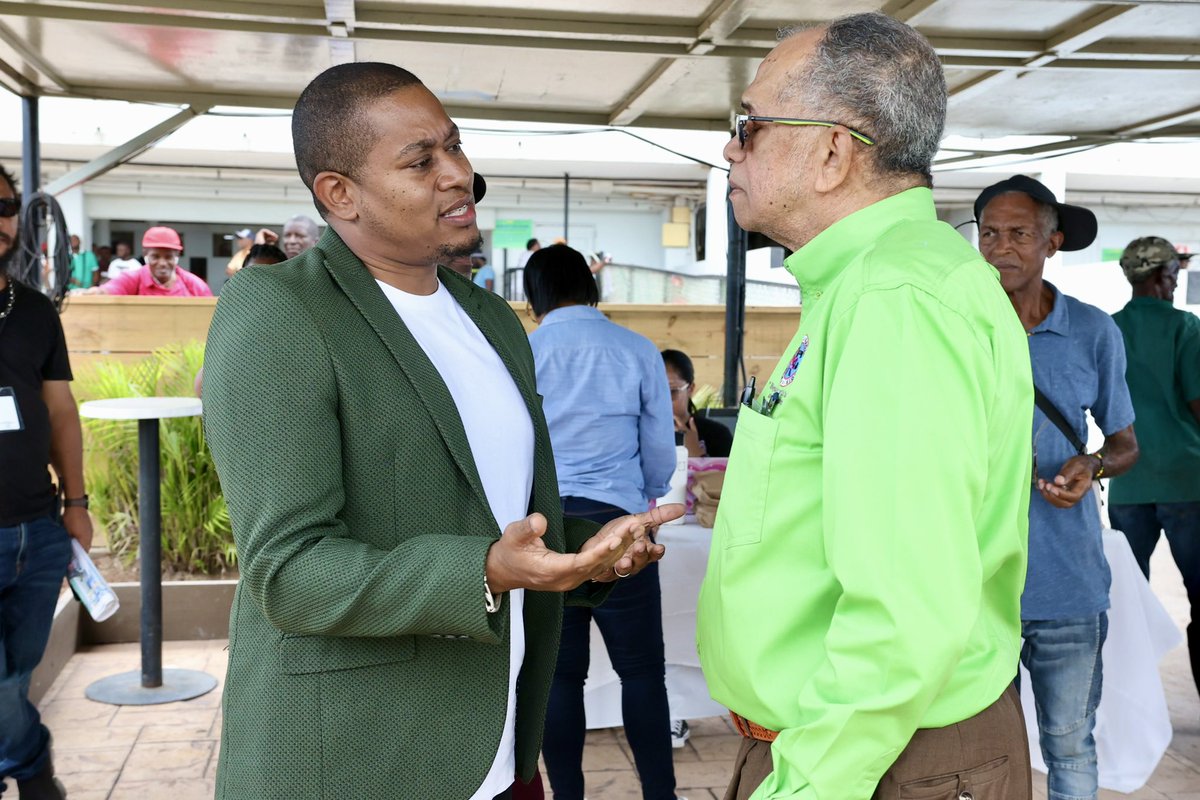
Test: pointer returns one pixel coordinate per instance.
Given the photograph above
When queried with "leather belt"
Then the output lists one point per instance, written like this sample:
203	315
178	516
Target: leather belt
752	730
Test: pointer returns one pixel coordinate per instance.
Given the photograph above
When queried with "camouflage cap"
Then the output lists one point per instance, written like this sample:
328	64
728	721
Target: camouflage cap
1143	256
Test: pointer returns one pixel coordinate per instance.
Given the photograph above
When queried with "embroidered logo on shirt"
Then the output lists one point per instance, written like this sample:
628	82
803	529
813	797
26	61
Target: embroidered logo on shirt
789	374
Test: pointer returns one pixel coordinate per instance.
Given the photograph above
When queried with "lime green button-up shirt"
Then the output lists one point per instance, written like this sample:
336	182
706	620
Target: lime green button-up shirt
870	547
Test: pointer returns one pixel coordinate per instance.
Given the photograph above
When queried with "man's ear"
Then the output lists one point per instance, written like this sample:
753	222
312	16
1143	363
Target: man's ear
834	156
338	194
1056	240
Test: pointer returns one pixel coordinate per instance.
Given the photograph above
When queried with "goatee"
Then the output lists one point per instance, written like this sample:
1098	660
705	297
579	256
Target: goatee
447	252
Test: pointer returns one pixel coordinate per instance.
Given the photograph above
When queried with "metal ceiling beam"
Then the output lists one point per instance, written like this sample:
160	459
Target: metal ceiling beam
1158	123
31	56
270	18
490	111
122	153
719	20
14	81
635	102
1064	43
908	11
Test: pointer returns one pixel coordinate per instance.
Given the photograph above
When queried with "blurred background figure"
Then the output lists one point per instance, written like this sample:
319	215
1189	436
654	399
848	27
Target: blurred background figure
243	240
85	269
701	436
161	275
1162	491
264	254
531	247
123	261
484	275
609	415
299	234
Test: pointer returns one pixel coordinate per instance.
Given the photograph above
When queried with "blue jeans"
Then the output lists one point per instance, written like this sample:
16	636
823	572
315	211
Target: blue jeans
630	621
1066	674
33	563
1142	526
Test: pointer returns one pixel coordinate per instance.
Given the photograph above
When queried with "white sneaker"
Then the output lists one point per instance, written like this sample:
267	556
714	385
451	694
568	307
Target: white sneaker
679	733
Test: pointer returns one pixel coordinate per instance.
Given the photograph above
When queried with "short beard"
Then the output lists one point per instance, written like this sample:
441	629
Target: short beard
10	254
447	253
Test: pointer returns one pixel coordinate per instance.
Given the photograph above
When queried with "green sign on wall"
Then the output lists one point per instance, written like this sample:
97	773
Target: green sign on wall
1111	253
512	233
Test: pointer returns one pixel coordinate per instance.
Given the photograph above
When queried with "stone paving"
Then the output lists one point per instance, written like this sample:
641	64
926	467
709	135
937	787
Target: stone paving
170	751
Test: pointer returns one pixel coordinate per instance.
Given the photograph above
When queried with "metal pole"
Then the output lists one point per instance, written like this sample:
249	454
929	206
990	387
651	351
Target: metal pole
31	148
150	551
735	306
567	207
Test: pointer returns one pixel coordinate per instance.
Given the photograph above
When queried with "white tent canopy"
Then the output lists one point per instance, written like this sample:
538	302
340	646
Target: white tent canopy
1087	69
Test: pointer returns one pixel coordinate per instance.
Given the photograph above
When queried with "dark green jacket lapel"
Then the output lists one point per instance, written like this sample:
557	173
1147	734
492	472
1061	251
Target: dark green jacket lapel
354	279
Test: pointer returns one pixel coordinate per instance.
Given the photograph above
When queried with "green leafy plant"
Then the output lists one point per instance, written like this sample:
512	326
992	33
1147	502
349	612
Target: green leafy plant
707	397
196	534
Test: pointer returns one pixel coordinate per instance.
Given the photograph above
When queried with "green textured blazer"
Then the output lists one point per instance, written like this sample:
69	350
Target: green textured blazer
362	663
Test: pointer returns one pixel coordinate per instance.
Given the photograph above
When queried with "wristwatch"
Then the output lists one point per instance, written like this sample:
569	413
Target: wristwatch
76	502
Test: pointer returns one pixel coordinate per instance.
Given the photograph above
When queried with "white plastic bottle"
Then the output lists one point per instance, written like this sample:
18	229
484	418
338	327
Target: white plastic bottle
678	491
90	587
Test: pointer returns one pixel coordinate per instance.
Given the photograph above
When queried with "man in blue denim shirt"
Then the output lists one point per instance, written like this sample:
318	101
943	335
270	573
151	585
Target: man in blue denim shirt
1078	360
609	413
39	426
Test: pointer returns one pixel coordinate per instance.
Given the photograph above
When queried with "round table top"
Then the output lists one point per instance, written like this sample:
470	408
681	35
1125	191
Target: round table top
141	408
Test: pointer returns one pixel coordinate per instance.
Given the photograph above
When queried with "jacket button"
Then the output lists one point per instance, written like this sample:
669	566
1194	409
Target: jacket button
966	796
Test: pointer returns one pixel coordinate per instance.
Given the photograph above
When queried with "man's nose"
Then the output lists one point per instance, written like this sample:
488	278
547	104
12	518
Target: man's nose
733	150
458	174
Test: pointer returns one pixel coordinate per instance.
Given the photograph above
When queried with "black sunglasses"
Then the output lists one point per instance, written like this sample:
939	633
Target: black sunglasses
740	121
9	206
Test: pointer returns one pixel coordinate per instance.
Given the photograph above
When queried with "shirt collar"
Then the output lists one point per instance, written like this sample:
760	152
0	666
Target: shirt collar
570	313
1150	302
1059	319
817	264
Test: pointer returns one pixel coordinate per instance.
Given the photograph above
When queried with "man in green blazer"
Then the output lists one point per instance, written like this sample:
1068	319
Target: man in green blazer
376	424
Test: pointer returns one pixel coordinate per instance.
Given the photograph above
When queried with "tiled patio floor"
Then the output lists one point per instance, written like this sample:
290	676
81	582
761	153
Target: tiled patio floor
170	751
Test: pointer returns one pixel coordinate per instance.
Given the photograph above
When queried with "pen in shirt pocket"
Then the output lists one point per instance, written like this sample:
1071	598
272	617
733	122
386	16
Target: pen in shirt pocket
770	402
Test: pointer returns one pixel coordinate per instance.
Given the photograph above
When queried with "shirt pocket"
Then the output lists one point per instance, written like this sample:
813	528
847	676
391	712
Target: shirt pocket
744	494
989	781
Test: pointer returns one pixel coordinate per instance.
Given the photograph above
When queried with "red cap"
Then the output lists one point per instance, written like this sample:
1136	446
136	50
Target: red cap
166	238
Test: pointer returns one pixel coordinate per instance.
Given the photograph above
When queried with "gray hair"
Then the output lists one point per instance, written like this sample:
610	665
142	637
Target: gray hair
1047	216
883	78
309	222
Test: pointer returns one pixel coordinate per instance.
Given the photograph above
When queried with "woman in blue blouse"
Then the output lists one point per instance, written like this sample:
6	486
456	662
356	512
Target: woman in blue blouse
609	412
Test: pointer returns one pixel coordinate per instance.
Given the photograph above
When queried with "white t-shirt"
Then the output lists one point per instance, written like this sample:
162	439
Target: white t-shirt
119	265
500	434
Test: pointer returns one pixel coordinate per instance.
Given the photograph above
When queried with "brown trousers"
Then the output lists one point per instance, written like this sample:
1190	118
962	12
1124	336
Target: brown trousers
985	757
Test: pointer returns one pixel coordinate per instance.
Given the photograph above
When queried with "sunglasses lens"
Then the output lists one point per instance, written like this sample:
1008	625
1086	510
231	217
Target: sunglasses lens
9	207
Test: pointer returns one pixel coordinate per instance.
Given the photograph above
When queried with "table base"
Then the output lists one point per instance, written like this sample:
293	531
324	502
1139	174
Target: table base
125	688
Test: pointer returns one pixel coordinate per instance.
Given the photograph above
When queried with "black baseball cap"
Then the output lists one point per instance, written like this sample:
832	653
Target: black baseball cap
479	187
1078	224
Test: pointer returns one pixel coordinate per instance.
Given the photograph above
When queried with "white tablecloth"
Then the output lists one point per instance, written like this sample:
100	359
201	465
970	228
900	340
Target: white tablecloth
1132	725
1133	728
680	574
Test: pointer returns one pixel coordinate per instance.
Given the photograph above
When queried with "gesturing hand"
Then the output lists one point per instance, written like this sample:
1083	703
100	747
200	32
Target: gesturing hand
644	550
519	559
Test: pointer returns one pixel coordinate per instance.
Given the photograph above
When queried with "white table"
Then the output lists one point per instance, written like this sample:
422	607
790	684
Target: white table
1132	726
680	574
152	684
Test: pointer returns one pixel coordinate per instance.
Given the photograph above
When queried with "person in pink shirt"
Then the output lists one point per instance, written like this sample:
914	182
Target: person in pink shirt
161	276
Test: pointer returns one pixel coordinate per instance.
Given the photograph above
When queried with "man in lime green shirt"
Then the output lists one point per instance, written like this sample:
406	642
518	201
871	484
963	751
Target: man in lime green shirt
1162	491
861	612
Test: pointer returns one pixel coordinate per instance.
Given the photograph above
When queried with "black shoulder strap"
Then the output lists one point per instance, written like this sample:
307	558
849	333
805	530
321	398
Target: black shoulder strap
1054	415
